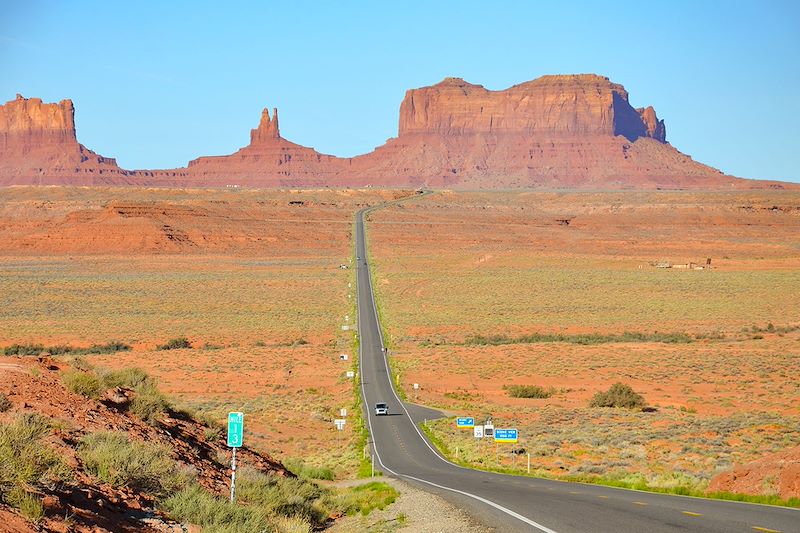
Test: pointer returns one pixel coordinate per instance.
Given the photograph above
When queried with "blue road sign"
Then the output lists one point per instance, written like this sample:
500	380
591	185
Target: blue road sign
235	429
505	435
465	422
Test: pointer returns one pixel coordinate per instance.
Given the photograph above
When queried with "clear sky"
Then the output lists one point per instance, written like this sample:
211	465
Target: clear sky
156	84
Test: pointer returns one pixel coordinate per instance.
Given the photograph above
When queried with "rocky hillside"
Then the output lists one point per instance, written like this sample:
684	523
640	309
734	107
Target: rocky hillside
566	131
85	449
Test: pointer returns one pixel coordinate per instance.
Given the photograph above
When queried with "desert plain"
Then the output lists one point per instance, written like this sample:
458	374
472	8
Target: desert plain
478	291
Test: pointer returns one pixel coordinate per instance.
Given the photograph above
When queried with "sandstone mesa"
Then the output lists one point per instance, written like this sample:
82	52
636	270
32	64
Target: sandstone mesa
562	131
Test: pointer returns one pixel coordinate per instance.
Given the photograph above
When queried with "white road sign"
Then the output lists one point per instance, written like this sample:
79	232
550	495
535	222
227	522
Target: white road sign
340	422
478	432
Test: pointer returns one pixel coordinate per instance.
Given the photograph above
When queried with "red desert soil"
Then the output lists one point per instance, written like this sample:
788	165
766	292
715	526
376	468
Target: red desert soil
252	278
33	385
566	131
778	473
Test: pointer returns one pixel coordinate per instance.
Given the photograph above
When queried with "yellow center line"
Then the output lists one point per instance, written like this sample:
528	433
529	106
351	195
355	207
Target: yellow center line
765	529
690	513
604	497
640	503
574	492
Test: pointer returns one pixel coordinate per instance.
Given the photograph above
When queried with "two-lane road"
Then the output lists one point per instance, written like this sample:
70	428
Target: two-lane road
519	503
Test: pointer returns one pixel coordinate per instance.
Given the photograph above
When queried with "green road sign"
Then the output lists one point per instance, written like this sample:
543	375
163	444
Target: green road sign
235	429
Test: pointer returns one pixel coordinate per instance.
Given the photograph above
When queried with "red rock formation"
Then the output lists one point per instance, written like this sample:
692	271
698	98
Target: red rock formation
38	145
267	129
268	161
548	106
573	131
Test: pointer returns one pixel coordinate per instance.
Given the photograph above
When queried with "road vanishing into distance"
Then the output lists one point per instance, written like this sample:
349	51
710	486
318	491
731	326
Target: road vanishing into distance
520	503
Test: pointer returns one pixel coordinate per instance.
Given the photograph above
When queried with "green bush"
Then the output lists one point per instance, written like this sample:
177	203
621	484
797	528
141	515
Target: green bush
115	459
364	498
584	338
301	469
175	344
5	403
64	349
149	404
23	349
109	347
528	391
619	395
195	505
266	502
83	383
283	496
130	378
28	465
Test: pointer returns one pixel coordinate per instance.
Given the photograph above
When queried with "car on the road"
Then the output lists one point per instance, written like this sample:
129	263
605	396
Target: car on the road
381	409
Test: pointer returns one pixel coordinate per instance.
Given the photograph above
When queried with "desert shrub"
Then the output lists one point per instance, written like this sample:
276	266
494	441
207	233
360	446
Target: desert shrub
23	349
115	459
131	378
212	434
283	496
79	363
149	404
302	469
619	395
364	498
109	347
83	383
528	391
175	344
28	465
59	349
5	403
195	505
266	502
584	338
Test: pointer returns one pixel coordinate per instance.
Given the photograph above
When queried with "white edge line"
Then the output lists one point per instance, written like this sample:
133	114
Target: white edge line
499	507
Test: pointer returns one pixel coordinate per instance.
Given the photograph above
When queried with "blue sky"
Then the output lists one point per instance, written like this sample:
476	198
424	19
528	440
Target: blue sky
157	85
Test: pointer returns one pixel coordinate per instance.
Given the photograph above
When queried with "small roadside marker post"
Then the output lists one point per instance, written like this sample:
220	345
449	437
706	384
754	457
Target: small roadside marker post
339	422
235	438
529	462
372	466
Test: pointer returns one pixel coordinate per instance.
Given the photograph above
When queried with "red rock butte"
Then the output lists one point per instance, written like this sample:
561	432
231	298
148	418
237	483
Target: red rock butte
565	131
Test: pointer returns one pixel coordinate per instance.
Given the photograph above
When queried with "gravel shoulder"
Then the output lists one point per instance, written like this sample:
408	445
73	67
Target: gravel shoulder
415	511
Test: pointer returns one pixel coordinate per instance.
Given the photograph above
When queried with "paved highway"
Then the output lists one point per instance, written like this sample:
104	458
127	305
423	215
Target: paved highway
518	503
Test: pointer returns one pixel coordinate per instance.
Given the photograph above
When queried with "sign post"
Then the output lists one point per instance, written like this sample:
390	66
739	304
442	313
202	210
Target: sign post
465	422
505	435
235	438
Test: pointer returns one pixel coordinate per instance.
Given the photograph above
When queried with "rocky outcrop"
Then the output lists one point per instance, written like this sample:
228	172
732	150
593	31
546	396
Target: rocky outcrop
38	145
551	106
654	128
27	123
267	129
566	131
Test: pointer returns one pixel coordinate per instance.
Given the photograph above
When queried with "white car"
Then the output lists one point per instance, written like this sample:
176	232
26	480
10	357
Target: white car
381	409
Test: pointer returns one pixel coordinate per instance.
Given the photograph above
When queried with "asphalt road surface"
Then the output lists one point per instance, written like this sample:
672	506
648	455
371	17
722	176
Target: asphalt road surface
519	503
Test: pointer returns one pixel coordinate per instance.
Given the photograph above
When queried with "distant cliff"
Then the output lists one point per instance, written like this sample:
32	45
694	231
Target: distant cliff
548	106
566	131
